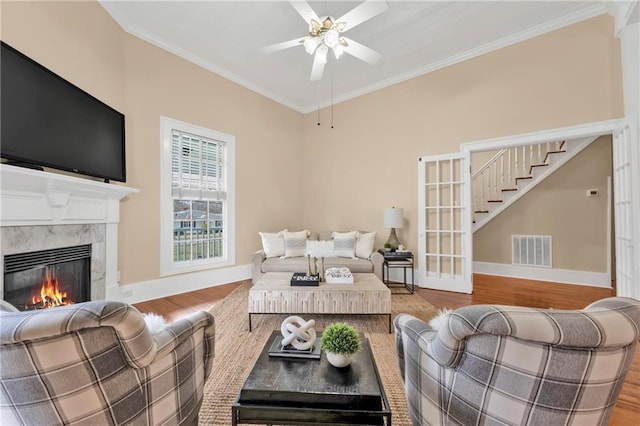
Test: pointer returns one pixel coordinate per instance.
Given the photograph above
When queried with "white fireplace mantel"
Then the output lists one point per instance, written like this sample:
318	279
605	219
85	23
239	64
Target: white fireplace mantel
33	197
33	200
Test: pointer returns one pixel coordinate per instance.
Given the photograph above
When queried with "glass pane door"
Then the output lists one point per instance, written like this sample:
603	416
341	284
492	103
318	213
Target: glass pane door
444	239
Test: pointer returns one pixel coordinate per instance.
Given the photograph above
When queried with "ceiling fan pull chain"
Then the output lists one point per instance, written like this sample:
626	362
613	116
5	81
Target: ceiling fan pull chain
318	95
332	98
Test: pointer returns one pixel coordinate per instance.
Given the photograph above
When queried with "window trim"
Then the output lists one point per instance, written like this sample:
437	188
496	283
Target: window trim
167	266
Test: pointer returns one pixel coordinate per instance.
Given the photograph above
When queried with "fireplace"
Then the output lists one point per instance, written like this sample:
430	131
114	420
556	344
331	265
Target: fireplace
48	278
43	211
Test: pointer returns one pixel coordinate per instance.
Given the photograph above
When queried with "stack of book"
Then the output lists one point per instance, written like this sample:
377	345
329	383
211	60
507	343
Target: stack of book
302	279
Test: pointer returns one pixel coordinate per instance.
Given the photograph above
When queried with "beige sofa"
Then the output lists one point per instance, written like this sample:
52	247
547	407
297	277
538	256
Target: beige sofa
262	264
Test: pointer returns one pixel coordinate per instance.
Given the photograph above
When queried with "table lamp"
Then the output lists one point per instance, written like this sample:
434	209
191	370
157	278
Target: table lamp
393	219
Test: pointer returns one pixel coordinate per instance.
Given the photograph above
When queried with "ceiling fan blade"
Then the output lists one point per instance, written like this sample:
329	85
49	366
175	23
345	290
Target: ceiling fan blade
317	69
303	8
281	46
361	52
362	13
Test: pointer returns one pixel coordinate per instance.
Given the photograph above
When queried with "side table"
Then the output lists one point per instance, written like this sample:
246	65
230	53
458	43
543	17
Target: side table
397	264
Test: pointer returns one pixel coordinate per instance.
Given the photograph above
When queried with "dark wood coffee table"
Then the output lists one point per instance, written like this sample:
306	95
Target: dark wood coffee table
306	391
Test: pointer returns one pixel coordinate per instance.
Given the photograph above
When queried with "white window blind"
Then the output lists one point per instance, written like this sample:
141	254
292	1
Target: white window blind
197	167
197	198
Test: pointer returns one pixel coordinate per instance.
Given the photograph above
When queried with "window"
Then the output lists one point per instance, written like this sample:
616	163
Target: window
197	198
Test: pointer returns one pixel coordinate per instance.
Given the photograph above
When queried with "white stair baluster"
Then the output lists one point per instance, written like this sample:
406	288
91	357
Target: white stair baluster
502	171
488	187
495	180
509	165
485	191
539	154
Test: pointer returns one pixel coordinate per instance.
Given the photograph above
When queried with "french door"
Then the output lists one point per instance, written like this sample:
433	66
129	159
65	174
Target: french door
623	210
444	223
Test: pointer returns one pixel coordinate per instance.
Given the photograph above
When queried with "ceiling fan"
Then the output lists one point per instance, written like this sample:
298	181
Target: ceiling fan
327	34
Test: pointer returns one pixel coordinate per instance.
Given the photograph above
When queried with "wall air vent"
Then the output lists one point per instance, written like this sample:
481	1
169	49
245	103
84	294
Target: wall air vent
531	250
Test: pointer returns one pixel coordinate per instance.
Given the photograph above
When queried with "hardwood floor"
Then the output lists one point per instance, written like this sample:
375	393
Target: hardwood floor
486	290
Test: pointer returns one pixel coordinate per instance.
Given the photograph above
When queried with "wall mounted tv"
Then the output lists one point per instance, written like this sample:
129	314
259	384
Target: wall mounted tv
47	121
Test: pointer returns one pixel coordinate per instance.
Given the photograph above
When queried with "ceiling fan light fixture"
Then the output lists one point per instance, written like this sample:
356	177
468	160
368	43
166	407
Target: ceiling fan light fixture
326	33
331	38
321	53
311	44
338	51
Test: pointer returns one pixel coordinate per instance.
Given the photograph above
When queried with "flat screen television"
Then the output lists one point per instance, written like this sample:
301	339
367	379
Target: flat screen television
47	121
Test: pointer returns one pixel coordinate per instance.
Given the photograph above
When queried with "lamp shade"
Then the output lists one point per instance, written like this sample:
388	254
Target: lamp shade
393	217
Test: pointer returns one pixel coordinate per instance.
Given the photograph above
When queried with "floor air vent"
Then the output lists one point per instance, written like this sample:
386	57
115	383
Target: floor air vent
531	250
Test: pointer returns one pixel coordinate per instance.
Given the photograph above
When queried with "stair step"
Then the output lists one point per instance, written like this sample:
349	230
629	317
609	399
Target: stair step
521	182
537	170
537	165
552	159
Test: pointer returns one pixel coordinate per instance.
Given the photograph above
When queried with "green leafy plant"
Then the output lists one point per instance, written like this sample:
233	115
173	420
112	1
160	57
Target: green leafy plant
341	338
388	245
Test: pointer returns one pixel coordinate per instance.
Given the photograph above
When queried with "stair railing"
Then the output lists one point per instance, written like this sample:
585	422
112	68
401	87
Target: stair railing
502	171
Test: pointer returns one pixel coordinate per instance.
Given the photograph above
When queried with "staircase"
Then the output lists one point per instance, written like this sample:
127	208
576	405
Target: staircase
514	171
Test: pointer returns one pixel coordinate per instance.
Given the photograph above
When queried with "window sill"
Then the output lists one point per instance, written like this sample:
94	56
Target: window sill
194	266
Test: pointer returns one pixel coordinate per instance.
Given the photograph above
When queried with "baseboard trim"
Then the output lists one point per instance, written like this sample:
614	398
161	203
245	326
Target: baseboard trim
177	284
563	276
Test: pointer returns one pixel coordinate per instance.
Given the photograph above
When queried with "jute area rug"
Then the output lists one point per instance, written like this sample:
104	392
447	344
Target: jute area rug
236	350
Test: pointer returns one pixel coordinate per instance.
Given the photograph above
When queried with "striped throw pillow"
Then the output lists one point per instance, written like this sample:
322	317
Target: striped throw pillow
295	243
344	244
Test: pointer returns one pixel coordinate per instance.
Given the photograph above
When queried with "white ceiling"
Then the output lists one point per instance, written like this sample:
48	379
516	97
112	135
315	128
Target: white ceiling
414	38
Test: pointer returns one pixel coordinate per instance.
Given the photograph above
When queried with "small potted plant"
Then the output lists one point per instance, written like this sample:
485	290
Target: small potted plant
388	247
340	341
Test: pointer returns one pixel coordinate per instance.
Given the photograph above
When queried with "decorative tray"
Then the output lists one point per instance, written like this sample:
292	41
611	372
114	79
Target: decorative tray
338	276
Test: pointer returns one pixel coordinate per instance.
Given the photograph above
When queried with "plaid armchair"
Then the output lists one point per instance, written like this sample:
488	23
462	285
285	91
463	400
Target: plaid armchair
96	363
510	365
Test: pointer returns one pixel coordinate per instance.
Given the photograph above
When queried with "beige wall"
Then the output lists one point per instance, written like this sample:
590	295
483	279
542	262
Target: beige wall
267	152
559	207
369	160
291	172
81	42
77	40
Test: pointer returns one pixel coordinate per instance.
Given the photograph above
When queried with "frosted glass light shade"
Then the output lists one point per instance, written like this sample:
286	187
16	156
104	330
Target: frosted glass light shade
321	53
310	44
393	217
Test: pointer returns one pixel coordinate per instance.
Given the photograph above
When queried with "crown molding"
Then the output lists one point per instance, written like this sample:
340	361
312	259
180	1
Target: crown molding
596	9
195	59
556	24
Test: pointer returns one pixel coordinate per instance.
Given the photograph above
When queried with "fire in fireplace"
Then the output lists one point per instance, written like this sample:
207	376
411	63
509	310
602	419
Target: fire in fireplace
48	278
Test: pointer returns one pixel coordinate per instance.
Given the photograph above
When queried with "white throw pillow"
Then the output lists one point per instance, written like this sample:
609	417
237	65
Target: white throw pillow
364	244
155	323
295	243
344	244
320	248
273	243
436	322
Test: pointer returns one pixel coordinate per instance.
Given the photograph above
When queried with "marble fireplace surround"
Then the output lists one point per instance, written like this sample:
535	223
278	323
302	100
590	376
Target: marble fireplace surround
44	210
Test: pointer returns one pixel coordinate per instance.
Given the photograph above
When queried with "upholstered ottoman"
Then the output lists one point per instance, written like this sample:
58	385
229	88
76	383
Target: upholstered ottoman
273	294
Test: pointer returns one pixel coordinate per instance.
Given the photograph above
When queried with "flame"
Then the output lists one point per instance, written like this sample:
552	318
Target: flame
50	294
